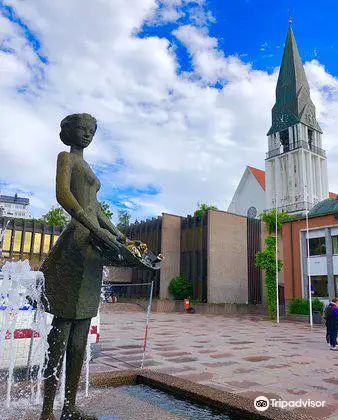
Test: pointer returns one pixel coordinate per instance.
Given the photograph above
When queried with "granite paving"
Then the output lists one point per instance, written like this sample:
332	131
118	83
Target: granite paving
242	354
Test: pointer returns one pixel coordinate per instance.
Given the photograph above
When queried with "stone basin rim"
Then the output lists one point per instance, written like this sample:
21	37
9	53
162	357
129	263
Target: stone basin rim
232	404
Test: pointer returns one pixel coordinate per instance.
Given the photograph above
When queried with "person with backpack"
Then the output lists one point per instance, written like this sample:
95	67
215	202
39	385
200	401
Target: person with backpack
331	317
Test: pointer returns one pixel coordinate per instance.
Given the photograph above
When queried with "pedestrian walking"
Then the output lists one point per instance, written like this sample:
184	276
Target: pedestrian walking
331	318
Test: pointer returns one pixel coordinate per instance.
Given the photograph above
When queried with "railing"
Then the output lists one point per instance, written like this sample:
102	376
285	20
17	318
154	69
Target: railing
293	146
291	208
27	239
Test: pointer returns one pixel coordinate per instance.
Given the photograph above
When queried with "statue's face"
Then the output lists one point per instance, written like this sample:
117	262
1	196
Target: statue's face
82	135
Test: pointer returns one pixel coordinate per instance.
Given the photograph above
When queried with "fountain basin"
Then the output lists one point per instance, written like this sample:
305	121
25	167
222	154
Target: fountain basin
221	404
142	394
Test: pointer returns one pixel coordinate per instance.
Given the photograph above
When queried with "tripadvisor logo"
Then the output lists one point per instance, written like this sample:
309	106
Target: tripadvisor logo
261	403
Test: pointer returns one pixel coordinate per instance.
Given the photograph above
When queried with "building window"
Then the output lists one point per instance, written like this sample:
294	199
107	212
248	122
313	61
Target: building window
17	241
46	244
27	244
319	286
335	244
310	137
317	246
284	139
336	285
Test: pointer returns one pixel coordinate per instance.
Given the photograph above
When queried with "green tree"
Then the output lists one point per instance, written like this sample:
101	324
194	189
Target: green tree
203	208
270	220
106	209
123	219
56	216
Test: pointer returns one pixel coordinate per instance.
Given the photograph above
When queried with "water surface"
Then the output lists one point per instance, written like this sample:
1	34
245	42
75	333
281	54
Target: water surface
171	403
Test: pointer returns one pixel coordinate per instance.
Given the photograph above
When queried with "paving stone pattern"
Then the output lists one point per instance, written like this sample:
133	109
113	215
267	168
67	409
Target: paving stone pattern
242	354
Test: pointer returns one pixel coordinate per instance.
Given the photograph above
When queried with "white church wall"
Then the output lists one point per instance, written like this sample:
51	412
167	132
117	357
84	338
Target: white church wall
248	194
325	183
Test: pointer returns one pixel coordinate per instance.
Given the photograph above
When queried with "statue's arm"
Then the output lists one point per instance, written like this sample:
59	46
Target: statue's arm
106	223
64	195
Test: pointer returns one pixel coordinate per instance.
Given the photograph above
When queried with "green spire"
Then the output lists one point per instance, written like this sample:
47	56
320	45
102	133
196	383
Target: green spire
293	102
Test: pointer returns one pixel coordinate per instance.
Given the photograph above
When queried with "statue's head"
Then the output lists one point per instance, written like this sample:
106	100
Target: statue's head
78	130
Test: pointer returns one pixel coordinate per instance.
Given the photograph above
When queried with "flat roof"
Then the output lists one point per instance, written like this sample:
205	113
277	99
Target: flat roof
14	199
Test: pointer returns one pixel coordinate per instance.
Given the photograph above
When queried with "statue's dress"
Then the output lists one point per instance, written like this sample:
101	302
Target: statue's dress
73	267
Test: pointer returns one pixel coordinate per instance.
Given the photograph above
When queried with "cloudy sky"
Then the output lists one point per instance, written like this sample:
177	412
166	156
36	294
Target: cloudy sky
182	90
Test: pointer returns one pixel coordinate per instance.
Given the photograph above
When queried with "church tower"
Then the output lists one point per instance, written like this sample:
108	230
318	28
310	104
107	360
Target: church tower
295	165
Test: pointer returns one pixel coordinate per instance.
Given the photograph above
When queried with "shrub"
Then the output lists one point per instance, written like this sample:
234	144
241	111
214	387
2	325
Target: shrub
301	306
317	305
181	288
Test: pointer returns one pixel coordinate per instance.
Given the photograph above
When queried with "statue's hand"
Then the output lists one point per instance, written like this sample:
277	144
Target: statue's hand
122	239
107	239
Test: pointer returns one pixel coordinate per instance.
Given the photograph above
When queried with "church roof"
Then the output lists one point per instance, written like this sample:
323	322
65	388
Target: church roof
293	102
259	174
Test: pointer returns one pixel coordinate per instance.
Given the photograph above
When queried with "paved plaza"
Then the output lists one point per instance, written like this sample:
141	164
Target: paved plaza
245	355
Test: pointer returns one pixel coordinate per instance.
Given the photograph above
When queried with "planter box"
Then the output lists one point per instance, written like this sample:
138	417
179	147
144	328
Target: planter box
306	318
317	317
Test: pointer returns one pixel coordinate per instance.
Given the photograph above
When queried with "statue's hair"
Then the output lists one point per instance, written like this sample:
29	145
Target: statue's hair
73	120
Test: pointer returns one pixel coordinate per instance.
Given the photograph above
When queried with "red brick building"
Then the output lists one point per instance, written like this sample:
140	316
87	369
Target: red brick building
323	252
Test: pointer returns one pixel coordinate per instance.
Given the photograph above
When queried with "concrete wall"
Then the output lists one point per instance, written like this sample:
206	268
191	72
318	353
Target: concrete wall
227	258
119	274
171	250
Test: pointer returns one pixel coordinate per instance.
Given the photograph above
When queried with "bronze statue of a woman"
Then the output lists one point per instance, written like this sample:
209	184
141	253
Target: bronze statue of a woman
73	268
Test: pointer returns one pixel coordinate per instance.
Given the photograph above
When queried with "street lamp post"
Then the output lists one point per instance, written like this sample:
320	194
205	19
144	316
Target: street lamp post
308	255
277	294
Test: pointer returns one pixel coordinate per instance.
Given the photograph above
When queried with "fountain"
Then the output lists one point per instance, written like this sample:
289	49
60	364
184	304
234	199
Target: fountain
18	282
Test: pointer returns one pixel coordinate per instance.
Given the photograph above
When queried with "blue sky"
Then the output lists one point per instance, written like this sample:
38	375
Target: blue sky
248	25
255	30
182	90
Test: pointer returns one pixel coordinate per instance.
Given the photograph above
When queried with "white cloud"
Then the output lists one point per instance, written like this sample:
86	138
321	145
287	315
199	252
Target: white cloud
264	46
209	62
174	131
172	10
